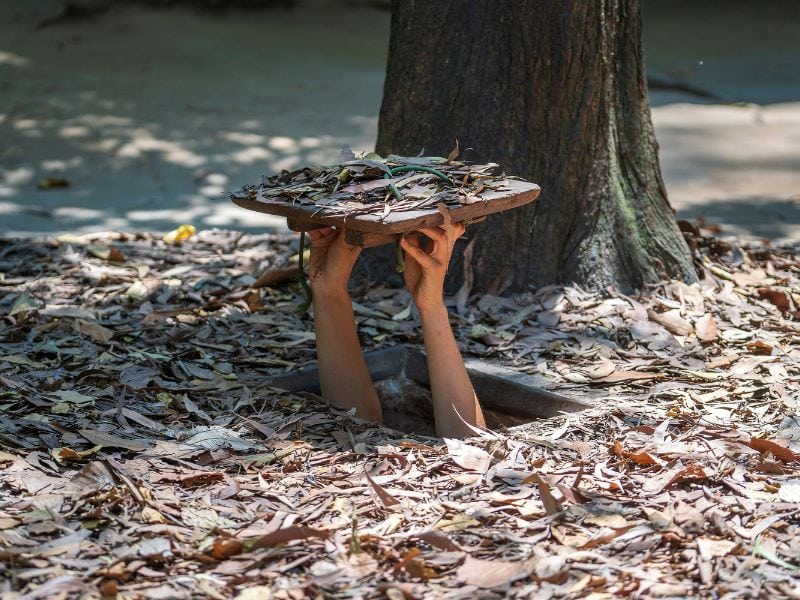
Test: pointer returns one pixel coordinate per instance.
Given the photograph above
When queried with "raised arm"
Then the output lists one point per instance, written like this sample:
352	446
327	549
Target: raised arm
452	390
343	375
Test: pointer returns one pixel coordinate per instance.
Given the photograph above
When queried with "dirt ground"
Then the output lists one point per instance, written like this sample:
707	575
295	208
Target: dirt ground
151	116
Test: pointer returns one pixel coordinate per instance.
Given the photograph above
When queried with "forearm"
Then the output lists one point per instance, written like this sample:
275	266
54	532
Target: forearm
452	390
343	375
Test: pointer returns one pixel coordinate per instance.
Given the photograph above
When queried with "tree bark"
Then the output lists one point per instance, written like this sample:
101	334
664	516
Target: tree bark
554	91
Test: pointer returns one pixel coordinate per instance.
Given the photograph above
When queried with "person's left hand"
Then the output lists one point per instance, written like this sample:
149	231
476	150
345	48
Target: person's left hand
426	268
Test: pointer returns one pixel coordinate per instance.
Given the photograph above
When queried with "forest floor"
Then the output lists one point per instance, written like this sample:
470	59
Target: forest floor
144	457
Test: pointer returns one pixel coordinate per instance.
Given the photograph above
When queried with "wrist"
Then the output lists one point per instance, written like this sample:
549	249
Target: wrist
329	291
327	285
433	313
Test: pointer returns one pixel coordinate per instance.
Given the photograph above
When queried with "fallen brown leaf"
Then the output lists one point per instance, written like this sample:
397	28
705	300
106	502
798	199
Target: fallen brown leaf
97	332
706	328
779	452
492	573
781	300
671	320
551	505
640	458
620	376
275	276
287	534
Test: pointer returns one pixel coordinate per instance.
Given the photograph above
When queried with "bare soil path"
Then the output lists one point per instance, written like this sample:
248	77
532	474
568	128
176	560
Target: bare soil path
152	115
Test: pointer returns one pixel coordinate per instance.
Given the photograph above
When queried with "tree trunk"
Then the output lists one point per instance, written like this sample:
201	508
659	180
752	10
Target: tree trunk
554	91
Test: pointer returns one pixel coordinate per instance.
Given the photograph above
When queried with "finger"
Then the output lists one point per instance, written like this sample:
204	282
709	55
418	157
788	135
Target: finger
435	233
342	242
416	239
321	237
426	261
416	253
453	231
424	243
442	245
320	232
341	254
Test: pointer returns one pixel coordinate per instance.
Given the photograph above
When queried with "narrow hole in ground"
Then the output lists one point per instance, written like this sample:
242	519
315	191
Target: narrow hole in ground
400	374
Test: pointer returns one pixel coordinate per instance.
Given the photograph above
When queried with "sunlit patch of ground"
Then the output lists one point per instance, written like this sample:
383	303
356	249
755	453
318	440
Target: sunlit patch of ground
144	455
152	116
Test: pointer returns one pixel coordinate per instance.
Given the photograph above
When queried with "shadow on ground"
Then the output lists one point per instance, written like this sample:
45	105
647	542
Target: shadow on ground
752	216
153	116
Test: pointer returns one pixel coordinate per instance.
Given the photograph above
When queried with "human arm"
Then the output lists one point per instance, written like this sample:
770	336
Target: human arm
343	374
452	390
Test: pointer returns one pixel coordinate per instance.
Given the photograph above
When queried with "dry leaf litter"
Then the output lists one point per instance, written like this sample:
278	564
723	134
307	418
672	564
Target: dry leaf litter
144	457
380	186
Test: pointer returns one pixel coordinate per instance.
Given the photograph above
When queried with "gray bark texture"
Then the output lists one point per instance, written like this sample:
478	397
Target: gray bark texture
555	91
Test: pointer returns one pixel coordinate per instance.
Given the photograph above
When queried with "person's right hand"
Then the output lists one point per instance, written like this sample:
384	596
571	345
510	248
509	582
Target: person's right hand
332	260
